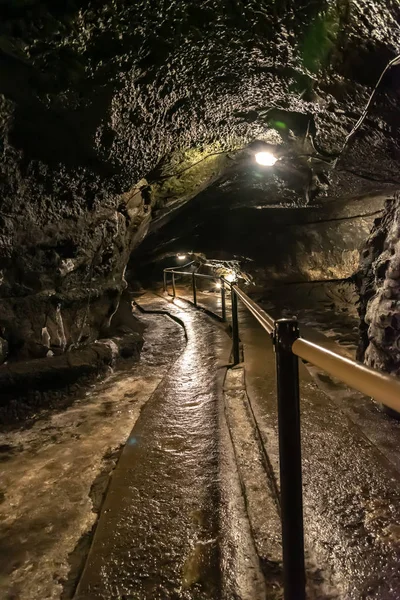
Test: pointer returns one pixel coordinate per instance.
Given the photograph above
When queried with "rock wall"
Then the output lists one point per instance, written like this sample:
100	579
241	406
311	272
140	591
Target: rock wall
275	245
94	96
378	281
321	250
63	268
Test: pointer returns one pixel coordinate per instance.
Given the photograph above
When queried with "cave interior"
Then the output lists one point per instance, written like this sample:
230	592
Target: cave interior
253	138
129	133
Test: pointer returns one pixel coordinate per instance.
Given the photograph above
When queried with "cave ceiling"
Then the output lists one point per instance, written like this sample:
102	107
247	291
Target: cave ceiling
102	94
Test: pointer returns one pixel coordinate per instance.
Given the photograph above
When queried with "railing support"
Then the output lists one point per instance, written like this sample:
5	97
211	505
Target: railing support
173	285
235	328
165	281
286	332
194	289
223	299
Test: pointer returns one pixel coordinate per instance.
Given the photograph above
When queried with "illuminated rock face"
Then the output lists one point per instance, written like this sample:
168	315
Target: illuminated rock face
379	287
96	96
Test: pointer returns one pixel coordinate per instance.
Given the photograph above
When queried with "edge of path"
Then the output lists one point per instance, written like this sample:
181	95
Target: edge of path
241	576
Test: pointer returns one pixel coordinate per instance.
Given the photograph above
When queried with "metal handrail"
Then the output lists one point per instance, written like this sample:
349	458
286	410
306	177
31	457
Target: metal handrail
177	272
171	269
265	320
380	386
289	346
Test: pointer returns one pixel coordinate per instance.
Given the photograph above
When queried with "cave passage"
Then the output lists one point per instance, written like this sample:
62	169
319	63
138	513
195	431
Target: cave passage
257	141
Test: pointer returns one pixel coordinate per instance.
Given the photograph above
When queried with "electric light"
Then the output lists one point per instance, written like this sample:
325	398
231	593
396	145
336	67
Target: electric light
218	285
231	277
181	256
266	159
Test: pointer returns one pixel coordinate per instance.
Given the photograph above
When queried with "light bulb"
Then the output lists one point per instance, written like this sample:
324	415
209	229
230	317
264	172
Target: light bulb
266	159
181	256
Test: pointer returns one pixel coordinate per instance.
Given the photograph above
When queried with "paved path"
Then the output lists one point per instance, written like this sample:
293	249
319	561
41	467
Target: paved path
350	470
157	537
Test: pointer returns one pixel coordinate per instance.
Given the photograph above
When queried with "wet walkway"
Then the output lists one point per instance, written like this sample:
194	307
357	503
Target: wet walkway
351	471
174	524
157	537
54	472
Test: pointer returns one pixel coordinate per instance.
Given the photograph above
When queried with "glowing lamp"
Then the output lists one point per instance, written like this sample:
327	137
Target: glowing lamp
218	285
231	277
266	159
181	256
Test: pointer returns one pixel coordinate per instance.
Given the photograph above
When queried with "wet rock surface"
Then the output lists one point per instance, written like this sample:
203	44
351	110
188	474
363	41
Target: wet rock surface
377	280
53	474
55	379
258	482
27	387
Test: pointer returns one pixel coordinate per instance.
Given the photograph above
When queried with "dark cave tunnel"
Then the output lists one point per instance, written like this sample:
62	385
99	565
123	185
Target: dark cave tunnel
129	133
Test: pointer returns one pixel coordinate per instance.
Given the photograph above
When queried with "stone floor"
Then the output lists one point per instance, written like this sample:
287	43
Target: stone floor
192	509
161	532
351	468
54	472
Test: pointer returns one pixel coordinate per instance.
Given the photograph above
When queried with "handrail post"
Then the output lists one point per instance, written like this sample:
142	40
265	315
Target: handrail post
223	299
165	281
287	370
235	327
194	289
173	285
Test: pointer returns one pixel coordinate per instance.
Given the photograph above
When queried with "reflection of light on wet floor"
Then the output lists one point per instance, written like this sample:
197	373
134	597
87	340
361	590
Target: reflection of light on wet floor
180	303
186	362
208	299
59	456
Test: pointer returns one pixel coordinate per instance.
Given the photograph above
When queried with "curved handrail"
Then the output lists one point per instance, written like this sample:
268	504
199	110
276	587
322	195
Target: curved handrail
177	272
265	320
382	387
171	269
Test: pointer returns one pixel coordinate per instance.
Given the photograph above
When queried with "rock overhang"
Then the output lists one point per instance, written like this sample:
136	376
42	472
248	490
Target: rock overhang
126	84
97	97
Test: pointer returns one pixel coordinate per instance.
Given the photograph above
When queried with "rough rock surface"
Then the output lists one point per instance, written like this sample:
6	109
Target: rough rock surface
275	245
94	97
28	386
378	283
3	350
